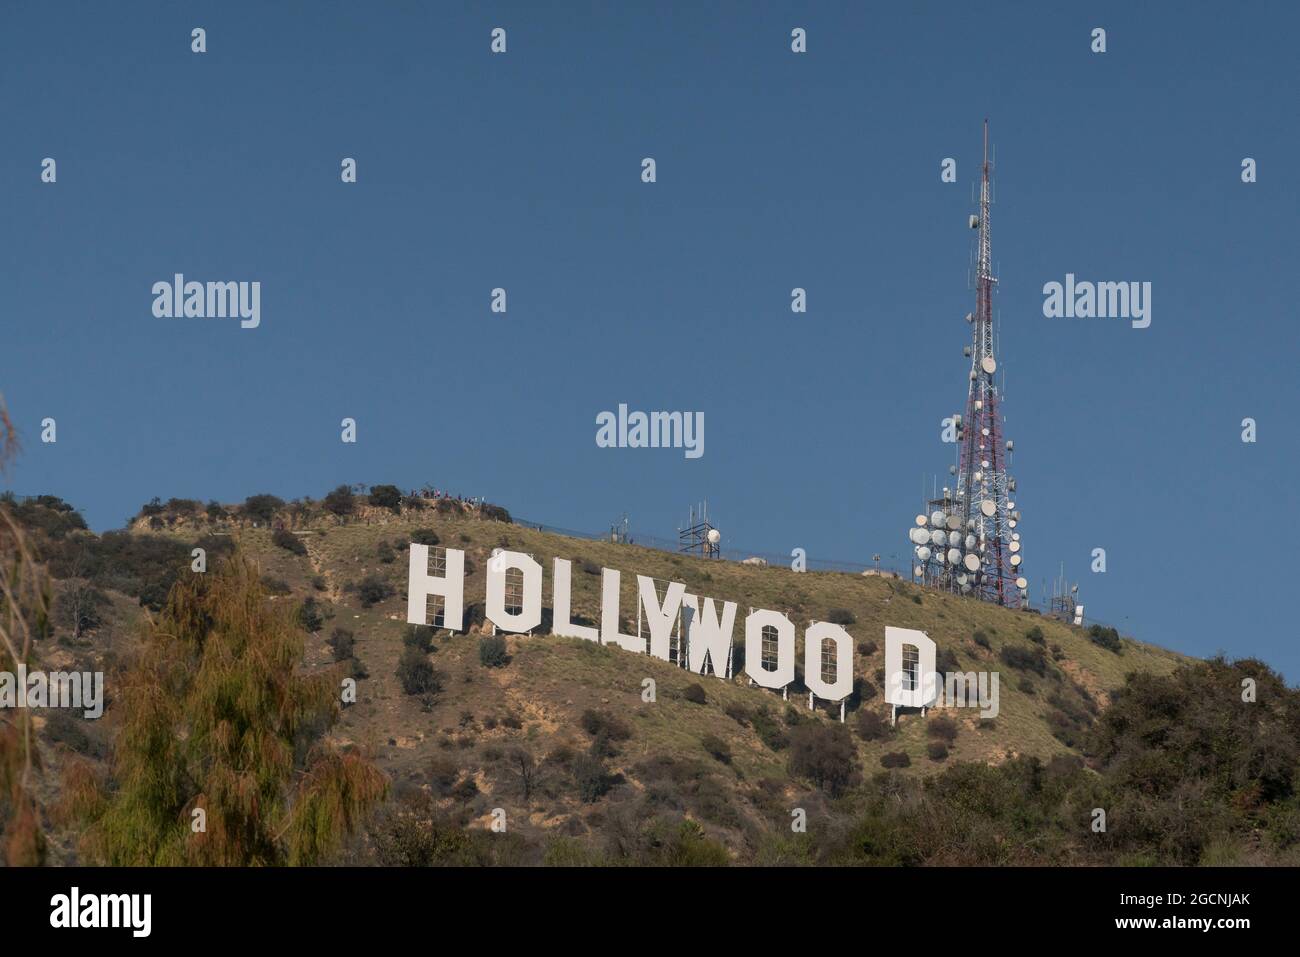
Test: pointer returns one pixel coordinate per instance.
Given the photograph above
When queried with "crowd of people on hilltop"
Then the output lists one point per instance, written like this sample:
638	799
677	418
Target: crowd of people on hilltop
428	492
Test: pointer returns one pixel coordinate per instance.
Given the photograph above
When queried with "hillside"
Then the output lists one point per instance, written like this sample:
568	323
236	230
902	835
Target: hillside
492	735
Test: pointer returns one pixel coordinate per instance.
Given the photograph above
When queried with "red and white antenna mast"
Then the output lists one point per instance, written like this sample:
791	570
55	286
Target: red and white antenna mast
966	541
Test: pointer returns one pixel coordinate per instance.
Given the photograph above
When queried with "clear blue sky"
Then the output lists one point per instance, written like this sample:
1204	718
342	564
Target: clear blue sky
774	171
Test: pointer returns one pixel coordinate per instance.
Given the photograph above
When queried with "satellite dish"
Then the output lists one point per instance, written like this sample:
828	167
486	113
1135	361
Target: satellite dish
1015	536
961	579
989	364
988	508
1015	561
974	221
984	431
1011	523
921	520
918	535
1016	515
923	553
938	538
918	571
936	518
1014	546
972	563
954	539
970	542
715	536
979	403
1022	583
985	463
979	476
954	521
954	556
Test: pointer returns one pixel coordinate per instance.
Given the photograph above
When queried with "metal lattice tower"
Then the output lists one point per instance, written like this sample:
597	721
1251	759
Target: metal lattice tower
972	547
983	485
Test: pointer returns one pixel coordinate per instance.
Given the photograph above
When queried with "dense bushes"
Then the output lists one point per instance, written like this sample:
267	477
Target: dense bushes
340	501
492	651
825	755
840	616
372	589
262	508
694	693
1026	658
1107	638
288	541
386	496
871	726
417	675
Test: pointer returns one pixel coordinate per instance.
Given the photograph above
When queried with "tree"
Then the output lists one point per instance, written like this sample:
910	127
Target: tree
262	507
525	765
340	501
218	716
24	618
386	496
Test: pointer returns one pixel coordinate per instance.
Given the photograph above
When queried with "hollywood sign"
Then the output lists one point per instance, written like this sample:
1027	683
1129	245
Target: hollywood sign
685	629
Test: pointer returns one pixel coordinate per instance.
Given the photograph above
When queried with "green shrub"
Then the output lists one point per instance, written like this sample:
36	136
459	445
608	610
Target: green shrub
1107	638
419	637
982	640
312	614
942	728
694	693
342	643
895	759
372	589
600	722
871	726
937	750
1035	634
591	777
769	731
1026	658
840	616
417	675
492	651
716	748
288	541
425	536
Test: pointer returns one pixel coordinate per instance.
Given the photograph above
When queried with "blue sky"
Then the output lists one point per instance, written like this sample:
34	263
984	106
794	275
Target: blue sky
775	170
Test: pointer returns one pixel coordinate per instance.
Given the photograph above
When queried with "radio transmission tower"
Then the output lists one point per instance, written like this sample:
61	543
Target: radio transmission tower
966	542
